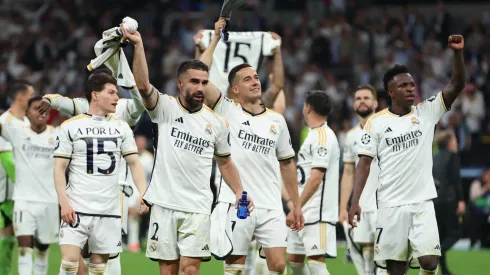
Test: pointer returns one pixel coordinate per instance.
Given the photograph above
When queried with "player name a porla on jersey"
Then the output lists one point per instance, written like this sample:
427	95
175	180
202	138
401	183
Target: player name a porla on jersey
96	131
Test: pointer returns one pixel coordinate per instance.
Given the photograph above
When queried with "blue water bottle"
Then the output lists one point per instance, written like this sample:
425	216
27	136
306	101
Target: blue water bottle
242	212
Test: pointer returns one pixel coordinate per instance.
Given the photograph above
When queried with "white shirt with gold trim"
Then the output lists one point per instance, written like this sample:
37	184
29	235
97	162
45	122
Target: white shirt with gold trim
95	145
186	143
320	150
368	196
403	146
258	142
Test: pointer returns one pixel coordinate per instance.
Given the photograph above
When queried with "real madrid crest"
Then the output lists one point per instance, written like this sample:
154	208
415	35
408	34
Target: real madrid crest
415	121
273	129
152	247
209	129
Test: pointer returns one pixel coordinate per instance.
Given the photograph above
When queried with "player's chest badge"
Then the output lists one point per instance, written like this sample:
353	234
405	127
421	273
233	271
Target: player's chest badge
273	129
414	120
209	129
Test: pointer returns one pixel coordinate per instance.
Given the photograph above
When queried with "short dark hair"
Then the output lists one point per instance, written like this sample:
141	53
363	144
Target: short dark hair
33	99
368	87
392	72
235	70
96	82
17	86
193	64
319	101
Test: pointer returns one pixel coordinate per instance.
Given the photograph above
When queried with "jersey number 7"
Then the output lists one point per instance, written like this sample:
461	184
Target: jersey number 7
100	151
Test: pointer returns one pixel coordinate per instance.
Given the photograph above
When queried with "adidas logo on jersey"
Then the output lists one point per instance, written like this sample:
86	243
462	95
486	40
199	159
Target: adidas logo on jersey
246	123
206	247
314	247
388	130
119	243
438	247
181	120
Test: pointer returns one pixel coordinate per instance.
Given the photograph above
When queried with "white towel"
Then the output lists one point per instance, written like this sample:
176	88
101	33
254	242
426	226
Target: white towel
110	53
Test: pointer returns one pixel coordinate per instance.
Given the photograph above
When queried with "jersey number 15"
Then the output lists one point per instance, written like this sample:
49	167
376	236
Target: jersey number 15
100	151
236	53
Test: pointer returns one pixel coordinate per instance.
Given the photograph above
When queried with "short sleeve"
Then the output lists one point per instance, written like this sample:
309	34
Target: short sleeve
10	132
123	112
226	107
157	114
433	108
222	148
284	149
368	142
128	146
349	155
64	143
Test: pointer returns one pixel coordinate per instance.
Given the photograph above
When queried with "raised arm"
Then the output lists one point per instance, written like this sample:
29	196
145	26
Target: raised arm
199	46
140	70
458	78
360	178
212	93
271	94
58	102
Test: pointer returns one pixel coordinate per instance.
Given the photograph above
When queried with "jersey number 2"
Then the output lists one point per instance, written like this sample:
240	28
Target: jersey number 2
100	151
236	53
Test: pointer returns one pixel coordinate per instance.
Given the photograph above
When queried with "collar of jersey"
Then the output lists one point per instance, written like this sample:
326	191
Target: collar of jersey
93	117
187	110
393	114
257	114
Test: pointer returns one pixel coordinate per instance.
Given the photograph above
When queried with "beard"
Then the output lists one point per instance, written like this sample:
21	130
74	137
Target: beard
192	101
364	113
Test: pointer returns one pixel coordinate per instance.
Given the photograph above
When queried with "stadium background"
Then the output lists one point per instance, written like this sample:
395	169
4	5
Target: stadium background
330	45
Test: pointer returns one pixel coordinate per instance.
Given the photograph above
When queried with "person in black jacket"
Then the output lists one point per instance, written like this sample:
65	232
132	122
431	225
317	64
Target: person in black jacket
449	204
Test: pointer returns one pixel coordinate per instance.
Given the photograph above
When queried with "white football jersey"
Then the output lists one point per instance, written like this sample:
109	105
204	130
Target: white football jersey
242	47
185	145
6	185
34	163
257	143
95	145
320	150
368	196
403	146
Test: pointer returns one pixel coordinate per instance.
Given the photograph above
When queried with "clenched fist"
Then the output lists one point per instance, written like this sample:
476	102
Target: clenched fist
456	42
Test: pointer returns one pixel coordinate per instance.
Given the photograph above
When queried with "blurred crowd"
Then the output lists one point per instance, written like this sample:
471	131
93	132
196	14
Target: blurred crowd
330	45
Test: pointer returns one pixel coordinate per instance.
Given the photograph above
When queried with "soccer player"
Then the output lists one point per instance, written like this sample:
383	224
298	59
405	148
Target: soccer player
318	176
361	239
128	110
259	137
91	146
189	134
20	92
36	211
401	138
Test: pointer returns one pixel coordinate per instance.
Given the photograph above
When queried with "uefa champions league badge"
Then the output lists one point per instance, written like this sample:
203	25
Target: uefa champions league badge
209	129
366	138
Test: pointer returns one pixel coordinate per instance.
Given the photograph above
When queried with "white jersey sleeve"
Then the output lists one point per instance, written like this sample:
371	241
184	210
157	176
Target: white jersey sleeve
284	149
68	106
223	145
368	142
64	143
128	145
433	108
123	111
349	154
9	132
158	113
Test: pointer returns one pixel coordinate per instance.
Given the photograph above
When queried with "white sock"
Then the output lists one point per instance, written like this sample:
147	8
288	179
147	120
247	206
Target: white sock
25	261
251	258
68	268
260	265
234	269
113	266
428	272
299	268
41	262
318	268
96	269
133	231
368	256
381	271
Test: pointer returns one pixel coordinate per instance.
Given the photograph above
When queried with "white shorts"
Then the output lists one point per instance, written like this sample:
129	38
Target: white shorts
38	219
366	228
406	232
315	239
103	234
221	232
175	233
267	225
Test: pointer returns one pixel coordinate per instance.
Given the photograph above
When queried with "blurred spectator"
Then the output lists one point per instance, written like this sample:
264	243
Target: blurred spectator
480	200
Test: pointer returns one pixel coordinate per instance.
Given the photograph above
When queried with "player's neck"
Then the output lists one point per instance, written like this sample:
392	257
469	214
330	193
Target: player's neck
38	128
17	111
253	107
316	121
93	110
363	120
399	110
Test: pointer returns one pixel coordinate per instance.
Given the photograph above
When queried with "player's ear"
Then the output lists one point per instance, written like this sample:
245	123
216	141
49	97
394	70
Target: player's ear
179	83
375	105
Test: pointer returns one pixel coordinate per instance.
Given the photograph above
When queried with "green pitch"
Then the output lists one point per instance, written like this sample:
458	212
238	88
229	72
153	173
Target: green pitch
461	262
